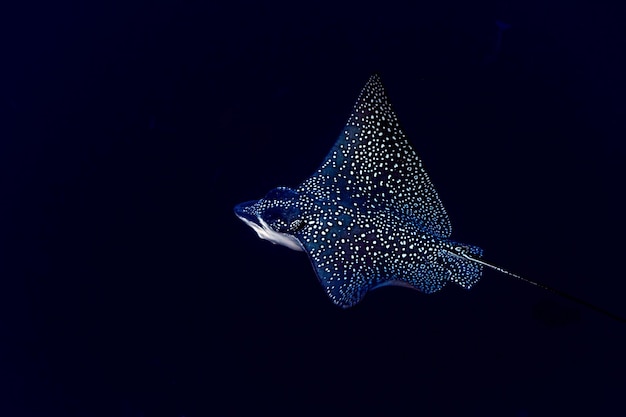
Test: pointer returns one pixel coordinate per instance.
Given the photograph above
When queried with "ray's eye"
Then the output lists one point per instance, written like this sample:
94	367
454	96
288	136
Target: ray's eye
296	225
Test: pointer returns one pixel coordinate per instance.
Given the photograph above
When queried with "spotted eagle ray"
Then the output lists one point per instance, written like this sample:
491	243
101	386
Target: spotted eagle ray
370	215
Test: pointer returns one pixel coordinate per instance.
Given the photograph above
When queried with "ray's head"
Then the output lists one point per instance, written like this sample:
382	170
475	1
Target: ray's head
276	217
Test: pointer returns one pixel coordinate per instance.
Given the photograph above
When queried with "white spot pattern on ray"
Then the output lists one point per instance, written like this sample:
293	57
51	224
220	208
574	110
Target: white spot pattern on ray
369	216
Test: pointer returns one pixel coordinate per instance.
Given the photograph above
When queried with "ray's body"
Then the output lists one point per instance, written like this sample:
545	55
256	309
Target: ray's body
370	216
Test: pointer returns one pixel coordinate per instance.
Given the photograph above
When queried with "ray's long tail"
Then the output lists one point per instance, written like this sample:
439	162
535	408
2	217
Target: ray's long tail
547	288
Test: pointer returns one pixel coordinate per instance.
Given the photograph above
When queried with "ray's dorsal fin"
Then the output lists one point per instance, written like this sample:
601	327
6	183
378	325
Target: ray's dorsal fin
372	161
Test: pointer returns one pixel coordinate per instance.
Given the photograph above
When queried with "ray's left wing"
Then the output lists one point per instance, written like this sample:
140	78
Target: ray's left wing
373	165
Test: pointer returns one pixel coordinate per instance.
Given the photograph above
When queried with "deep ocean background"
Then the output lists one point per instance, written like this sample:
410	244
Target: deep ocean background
130	129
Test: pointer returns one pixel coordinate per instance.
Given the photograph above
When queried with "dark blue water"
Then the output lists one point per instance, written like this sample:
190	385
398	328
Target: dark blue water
128	287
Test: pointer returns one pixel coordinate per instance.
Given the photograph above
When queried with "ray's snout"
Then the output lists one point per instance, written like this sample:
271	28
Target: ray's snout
245	211
250	213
